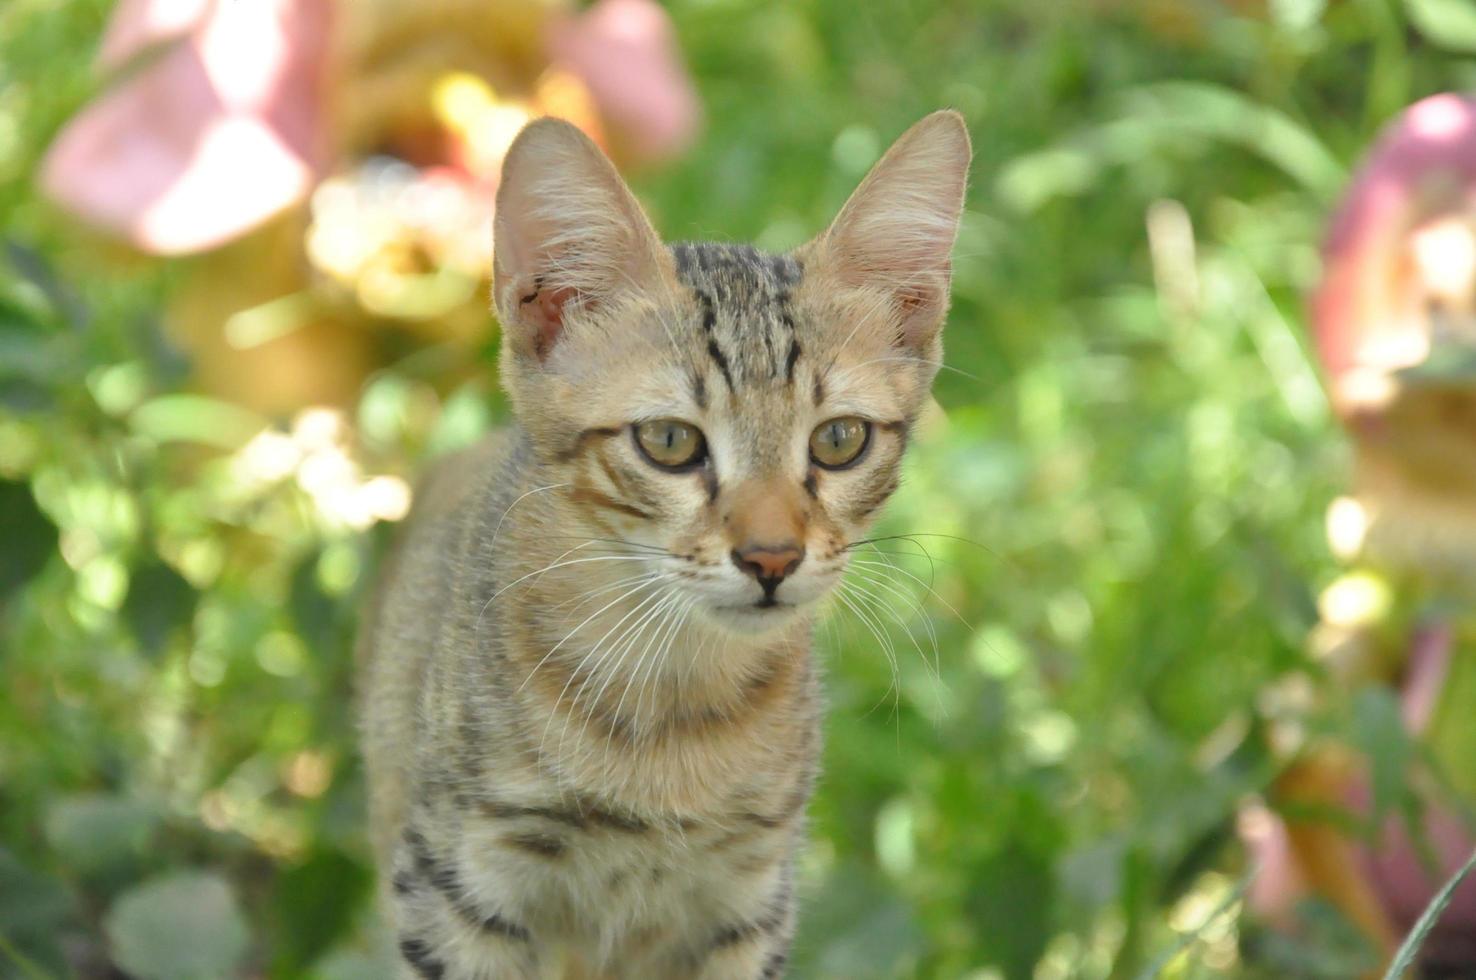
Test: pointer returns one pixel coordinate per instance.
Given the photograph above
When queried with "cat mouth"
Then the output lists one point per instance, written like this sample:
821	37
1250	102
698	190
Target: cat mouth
767	608
766	604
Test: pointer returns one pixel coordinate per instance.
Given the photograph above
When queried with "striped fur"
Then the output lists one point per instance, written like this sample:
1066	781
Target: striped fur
590	734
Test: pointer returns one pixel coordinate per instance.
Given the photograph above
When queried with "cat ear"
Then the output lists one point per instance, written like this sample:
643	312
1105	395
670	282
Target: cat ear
568	235
897	230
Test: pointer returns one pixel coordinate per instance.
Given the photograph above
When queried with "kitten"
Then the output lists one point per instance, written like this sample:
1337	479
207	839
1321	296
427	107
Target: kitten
591	718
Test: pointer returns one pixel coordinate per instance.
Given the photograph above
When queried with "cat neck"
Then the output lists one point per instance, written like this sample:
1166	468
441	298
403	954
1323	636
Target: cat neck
646	702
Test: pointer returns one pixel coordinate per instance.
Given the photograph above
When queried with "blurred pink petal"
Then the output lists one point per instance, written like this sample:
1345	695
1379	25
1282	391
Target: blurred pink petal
140	24
1396	867
1368	309
1278	884
1430	652
216	137
626	52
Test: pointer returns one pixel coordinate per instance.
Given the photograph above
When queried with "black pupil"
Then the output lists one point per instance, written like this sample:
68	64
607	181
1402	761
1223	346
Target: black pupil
837	434
671	437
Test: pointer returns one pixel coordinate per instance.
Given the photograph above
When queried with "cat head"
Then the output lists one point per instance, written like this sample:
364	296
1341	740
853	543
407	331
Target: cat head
741	414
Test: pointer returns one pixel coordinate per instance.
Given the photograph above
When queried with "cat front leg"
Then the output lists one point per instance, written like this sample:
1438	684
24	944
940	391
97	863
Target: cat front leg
444	932
749	942
758	957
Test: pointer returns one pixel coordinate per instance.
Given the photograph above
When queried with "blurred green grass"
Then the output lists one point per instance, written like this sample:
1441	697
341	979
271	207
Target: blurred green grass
1124	507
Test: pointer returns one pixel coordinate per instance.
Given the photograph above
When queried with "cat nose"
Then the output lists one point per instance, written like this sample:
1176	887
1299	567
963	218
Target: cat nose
769	564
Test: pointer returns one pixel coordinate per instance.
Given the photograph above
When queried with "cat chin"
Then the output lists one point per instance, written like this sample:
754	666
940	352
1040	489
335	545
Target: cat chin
754	619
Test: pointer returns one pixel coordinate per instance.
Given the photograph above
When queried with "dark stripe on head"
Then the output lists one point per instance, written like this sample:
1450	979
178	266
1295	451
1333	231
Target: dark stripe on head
722	361
699	391
709	311
819	389
794	355
774	965
786	270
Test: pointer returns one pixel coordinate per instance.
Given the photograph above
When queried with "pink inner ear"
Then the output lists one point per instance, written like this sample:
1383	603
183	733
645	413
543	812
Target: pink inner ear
544	312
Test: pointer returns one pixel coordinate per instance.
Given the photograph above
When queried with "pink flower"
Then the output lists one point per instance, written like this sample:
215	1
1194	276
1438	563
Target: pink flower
626	52
1400	247
221	133
228	127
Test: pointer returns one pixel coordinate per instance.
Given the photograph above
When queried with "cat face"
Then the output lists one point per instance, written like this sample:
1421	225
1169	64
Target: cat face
737	415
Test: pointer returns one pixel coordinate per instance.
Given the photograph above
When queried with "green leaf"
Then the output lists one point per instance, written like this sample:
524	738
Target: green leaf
313	906
195	418
35	270
351	964
1012	896
1446	23
34	910
314	612
856	928
159	602
181	926
97	833
1380	734
30	539
1297	15
463	421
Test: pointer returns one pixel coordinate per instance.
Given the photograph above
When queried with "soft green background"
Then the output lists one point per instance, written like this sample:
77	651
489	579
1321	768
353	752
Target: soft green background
1138	453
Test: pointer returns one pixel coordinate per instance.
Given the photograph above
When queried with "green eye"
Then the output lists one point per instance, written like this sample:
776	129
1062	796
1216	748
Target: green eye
839	442
670	443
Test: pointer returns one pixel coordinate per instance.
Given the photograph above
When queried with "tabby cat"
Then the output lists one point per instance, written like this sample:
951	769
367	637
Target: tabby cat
590	714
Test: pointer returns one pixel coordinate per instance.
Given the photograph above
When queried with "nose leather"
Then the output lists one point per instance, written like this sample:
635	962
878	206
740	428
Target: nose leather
769	564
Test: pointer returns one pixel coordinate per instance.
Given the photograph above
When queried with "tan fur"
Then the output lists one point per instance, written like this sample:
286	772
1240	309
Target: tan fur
590	732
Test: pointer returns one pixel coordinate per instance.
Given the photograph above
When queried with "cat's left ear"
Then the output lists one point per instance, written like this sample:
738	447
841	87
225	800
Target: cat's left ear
896	232
570	237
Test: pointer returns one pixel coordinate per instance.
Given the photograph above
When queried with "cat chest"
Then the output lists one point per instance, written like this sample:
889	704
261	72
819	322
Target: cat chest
602	873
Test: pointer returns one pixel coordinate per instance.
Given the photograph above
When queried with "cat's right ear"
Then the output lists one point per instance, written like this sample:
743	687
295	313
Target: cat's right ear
568	235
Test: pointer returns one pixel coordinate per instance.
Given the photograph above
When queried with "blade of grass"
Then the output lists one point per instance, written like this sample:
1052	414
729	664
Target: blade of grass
1410	948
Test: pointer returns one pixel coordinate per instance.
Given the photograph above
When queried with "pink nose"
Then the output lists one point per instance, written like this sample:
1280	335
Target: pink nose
769	564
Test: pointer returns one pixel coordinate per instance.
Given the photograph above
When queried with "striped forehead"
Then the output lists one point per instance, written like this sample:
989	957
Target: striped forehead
743	296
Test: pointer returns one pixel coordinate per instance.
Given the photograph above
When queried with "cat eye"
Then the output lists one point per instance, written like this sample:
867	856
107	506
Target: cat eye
670	443
840	442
